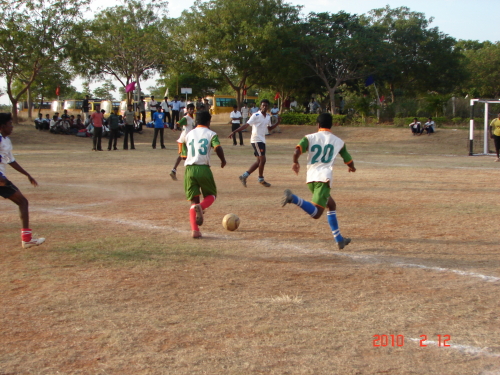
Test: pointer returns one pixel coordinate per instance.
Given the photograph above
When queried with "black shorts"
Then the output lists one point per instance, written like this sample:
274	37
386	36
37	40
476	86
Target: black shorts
8	190
259	149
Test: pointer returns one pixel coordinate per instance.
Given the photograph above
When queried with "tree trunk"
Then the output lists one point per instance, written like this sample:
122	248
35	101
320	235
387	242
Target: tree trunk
391	87
15	120
30	114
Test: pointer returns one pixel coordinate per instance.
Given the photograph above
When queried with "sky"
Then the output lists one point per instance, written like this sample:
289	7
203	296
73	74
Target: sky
460	19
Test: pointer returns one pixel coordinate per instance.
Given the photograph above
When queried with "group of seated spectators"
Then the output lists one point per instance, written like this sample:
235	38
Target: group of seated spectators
417	128
64	124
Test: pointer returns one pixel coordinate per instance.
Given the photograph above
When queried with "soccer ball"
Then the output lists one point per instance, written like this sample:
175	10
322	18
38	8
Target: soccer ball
231	222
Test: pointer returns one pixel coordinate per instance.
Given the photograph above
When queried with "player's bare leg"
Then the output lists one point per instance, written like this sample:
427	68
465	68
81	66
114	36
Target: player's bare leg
173	173
27	241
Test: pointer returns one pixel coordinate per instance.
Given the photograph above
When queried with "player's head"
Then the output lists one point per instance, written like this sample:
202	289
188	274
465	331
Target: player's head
264	105
203	118
6	124
415	119
430	118
325	121
129	107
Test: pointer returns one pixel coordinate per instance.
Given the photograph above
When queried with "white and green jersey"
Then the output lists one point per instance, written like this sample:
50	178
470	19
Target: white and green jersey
198	144
322	147
187	123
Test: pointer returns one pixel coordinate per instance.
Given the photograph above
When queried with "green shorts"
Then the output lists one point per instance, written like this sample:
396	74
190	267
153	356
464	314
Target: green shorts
321	192
199	178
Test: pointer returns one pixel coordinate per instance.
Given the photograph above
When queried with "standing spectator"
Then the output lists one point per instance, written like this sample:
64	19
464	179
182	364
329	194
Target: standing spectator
176	107
260	122
198	104
244	113
495	135
153	105
39	122
429	126
415	126
235	116
207	105
114	129
159	127
165	106
253	109
7	189
141	106
86	108
275	111
97	120
293	103
129	127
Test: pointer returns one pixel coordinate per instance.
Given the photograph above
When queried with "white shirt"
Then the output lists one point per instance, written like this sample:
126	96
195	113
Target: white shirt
430	123
235	117
293	104
176	105
152	105
259	124
244	112
186	128
165	106
6	156
275	111
199	143
322	150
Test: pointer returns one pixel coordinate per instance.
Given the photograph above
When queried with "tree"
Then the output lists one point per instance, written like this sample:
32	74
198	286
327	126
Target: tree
105	91
241	46
128	42
420	58
484	65
339	48
33	35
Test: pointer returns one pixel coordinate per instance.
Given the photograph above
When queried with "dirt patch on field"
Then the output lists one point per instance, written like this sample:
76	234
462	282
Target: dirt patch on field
121	288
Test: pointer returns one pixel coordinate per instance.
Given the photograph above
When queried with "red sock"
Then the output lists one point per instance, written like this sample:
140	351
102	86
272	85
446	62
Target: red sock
26	234
207	201
192	219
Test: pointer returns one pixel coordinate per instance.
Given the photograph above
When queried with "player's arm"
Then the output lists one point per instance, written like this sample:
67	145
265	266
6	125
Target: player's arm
299	149
275	125
347	159
218	150
242	127
20	169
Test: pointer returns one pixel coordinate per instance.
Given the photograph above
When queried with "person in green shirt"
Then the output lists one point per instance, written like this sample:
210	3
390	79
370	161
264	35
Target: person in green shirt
114	129
495	135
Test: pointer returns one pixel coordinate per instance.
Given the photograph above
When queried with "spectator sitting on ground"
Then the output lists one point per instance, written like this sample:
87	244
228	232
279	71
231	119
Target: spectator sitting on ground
39	122
415	127
429	126
65	115
78	124
55	125
46	122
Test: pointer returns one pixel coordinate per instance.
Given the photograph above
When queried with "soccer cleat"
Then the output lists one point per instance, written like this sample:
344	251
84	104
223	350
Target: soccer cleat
196	234
199	214
344	243
173	175
243	180
287	197
264	183
33	242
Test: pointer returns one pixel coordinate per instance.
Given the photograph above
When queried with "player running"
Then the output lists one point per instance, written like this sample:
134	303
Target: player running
188	124
322	149
261	124
7	189
197	146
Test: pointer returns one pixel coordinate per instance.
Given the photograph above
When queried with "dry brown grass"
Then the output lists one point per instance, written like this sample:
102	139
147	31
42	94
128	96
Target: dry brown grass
120	288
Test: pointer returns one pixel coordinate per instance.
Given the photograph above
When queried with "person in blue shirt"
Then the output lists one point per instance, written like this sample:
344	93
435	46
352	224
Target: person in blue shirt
158	118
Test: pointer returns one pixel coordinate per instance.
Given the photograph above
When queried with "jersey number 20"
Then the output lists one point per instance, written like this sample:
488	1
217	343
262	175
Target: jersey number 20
326	154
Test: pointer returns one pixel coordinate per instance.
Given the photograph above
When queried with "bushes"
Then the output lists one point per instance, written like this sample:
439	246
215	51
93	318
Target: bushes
294	118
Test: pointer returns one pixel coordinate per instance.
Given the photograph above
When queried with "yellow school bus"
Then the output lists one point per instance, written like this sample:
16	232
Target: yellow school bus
225	103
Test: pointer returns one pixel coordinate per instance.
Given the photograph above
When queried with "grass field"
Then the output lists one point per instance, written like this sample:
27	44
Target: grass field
119	287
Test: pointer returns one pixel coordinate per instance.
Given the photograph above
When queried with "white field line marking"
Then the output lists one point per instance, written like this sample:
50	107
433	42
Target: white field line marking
466	349
272	244
413	165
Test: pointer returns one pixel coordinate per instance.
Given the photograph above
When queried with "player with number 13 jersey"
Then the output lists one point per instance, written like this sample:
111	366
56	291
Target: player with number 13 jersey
322	148
197	147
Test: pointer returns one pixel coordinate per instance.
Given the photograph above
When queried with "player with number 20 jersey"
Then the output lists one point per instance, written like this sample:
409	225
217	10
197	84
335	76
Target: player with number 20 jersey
198	179
322	148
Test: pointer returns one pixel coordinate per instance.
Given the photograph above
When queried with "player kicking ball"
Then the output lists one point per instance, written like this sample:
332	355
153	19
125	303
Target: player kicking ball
322	148
7	189
197	147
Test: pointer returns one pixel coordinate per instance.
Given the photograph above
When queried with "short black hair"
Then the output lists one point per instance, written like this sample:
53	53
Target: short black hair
203	118
265	101
5	118
190	105
325	120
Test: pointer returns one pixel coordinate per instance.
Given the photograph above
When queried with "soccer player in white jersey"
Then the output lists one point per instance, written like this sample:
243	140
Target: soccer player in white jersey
197	147
7	189
188	124
261	124
322	148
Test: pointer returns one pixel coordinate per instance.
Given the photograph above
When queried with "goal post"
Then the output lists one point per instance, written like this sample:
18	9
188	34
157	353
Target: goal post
485	128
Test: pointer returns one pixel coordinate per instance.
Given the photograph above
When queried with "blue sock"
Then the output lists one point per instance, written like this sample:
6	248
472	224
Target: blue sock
246	174
308	207
334	225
